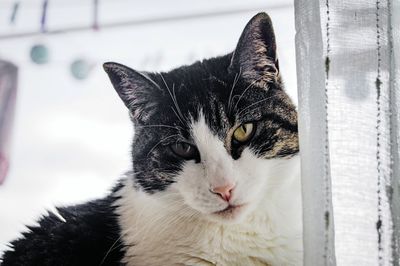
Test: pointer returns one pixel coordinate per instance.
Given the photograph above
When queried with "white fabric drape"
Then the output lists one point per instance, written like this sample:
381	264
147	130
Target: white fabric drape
8	93
349	100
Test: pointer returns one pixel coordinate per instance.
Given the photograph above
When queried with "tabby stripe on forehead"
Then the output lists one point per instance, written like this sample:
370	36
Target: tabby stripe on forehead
283	122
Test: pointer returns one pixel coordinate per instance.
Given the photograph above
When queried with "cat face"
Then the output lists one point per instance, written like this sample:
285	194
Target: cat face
216	132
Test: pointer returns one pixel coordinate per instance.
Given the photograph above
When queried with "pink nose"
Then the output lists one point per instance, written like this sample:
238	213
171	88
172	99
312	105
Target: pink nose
224	191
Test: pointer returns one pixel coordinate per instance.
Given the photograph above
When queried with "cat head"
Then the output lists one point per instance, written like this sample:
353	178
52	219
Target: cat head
215	132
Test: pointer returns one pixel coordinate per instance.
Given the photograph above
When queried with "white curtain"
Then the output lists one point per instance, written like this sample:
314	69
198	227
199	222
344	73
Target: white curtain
8	93
349	100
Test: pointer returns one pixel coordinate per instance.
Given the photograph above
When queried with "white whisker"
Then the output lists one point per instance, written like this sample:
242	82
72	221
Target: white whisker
181	118
162	140
166	126
245	90
235	80
260	101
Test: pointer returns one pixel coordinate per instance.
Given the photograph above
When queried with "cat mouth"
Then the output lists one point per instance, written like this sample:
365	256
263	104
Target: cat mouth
230	212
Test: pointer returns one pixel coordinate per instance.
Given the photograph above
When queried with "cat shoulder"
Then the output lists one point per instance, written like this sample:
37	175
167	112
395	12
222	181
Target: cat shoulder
87	234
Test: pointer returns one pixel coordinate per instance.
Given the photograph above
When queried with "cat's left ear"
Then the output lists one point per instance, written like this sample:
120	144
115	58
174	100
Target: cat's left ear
255	54
134	88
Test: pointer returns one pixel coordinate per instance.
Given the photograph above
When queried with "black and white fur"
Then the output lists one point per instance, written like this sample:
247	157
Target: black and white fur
163	212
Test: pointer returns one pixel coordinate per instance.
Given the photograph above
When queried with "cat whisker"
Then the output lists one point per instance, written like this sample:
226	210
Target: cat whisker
158	143
178	113
235	80
245	90
260	101
176	102
166	126
172	108
110	249
261	147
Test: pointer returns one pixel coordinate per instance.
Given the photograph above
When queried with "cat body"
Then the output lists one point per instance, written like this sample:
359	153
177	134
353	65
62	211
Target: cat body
215	174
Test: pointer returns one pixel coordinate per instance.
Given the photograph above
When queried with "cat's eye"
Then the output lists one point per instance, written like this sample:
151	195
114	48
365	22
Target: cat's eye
244	132
185	150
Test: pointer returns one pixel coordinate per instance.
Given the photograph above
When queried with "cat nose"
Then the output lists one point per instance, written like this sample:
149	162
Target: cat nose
224	191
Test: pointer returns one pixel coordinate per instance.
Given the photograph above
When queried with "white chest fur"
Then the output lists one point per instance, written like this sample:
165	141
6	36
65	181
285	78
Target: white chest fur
155	234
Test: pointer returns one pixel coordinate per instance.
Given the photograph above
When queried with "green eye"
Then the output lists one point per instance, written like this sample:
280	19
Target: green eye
244	132
185	150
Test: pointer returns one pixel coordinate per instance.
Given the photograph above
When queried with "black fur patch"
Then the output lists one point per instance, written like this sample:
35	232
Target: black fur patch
90	236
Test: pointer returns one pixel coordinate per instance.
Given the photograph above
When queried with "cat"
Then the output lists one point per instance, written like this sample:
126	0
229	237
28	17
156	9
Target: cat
215	176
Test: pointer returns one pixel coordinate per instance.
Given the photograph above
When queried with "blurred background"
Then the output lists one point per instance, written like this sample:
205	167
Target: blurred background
69	138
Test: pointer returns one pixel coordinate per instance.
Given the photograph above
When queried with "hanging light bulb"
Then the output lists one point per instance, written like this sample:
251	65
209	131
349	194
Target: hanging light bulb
39	54
80	69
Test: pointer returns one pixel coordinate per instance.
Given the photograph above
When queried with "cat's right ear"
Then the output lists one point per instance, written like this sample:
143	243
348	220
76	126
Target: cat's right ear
255	54
133	88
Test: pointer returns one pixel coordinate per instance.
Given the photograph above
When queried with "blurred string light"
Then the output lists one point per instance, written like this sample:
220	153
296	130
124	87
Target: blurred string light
44	16
147	21
14	12
81	68
39	54
32	4
95	14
